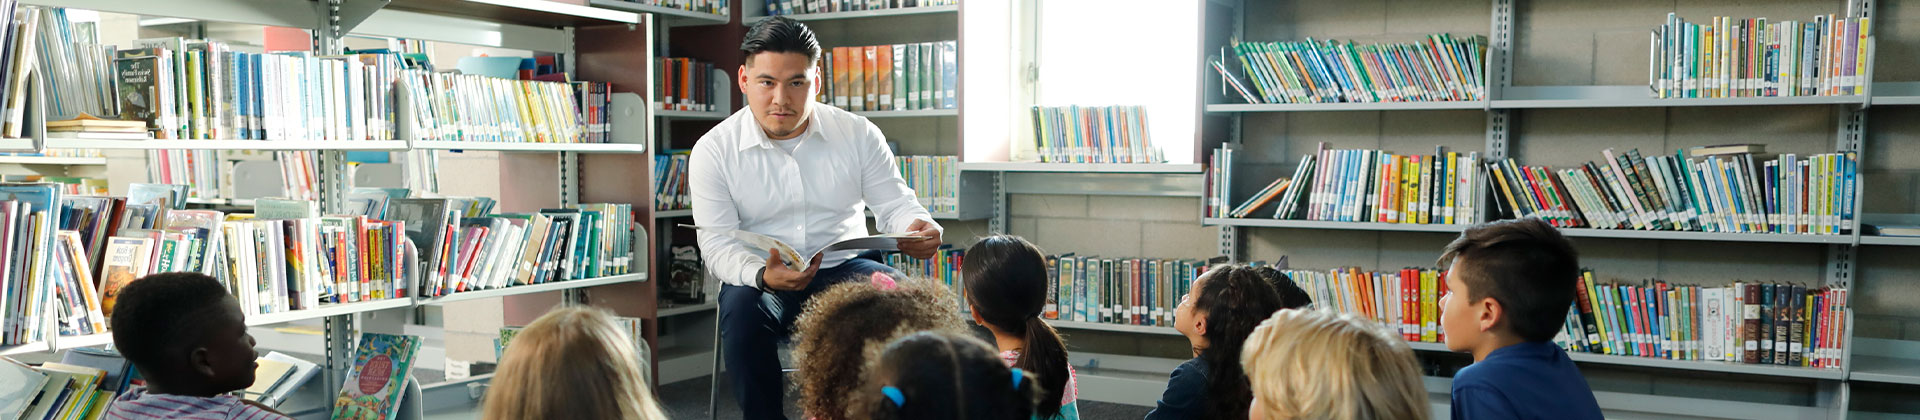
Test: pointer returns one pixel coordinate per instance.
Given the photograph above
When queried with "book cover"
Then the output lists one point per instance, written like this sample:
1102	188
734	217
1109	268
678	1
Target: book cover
883	82
378	376
857	79
869	80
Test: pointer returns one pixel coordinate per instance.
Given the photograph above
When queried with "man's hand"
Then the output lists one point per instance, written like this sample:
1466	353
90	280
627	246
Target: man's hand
922	248
778	277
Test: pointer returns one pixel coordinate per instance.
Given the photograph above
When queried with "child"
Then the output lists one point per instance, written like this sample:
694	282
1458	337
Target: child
1216	316
844	328
946	376
1006	280
190	342
1307	364
1509	286
573	363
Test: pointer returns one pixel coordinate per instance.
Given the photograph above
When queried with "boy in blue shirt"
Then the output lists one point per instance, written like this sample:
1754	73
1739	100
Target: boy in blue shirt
1509	286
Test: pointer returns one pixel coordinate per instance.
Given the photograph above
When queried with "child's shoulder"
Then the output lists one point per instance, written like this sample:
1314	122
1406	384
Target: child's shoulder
137	403
1520	361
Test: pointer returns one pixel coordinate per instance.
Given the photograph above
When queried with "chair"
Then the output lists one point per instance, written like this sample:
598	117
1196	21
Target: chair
784	352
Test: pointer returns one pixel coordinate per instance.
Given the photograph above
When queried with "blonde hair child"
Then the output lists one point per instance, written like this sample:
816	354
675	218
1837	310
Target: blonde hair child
573	363
1306	364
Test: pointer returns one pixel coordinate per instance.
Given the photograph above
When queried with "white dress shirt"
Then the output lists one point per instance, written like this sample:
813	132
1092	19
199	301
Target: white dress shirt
812	197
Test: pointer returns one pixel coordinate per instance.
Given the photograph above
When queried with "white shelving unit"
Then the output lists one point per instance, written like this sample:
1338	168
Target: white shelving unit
756	11
691	115
531	147
532	288
909	113
668	15
325	311
366	145
1115	168
53	160
27	348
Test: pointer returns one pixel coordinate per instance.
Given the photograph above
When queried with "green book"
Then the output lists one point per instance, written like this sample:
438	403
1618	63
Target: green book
928	78
899	76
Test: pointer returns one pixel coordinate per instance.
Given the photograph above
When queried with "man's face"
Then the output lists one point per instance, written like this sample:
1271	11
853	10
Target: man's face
778	87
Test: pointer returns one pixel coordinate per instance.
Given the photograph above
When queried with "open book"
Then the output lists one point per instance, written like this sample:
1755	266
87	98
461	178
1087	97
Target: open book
885	242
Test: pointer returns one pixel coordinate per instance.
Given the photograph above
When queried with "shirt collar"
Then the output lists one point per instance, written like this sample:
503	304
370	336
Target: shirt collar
759	136
1523	349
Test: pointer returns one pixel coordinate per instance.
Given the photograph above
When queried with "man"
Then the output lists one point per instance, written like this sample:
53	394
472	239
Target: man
798	171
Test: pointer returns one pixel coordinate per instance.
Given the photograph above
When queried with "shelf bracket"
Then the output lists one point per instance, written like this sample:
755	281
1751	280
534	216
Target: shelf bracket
1230	243
997	224
1840	265
339	352
569	178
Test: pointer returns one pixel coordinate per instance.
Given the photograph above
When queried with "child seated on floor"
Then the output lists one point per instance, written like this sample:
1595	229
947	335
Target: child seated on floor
844	328
189	340
573	363
946	376
1222	307
1306	364
1509	284
1006	281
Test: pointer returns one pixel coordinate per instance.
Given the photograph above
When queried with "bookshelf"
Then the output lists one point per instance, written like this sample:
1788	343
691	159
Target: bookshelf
756	11
1113	168
691	115
28	348
668	16
358	145
909	113
669	214
688	309
532	288
540	13
23	144
53	160
1358	106
530	147
1542	118
328	311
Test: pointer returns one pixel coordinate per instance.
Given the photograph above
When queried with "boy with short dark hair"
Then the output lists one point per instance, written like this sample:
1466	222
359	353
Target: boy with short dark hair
1509	286
189	340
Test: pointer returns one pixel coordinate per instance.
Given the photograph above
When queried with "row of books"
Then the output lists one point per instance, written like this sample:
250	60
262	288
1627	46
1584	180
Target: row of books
467	252
593	104
56	390
1747	322
1721	193
1727	57
78	71
17	42
718	7
792	7
1356	185
670	181
196	89
60	152
944	268
87	382
1094	134
203	172
686	84
1406	301
935	181
69	185
463	107
894	77
1132	291
29	215
1438	68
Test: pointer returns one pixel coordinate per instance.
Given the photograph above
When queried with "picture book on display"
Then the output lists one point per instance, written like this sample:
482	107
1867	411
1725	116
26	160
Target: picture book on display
377	378
29	216
793	259
670	180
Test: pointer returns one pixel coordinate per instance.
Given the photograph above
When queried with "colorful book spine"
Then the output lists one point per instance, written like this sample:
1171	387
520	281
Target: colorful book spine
1790	194
1439	67
1727	57
935	181
898	77
1375	186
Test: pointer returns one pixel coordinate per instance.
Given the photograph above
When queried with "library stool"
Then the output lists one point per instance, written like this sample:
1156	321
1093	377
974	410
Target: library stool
784	352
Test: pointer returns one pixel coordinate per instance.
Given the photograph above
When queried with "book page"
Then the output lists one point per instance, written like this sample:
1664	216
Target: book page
763	242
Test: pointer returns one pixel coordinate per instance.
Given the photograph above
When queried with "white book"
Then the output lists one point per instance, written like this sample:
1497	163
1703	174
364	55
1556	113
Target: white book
793	259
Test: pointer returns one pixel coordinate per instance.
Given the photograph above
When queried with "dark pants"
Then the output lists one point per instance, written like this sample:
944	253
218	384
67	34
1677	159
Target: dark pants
753	323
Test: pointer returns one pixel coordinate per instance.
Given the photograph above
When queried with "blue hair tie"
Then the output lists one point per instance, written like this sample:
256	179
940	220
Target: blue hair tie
899	399
1017	376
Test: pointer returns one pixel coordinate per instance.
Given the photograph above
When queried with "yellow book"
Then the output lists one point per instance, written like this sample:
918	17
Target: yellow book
1428	288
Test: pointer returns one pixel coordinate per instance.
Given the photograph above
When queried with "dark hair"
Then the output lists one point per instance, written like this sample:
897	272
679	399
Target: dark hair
1525	265
781	34
946	376
1291	295
843	329
1006	280
1236	298
158	318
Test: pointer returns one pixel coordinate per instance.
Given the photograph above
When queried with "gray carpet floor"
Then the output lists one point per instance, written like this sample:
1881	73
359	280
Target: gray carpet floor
688	400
